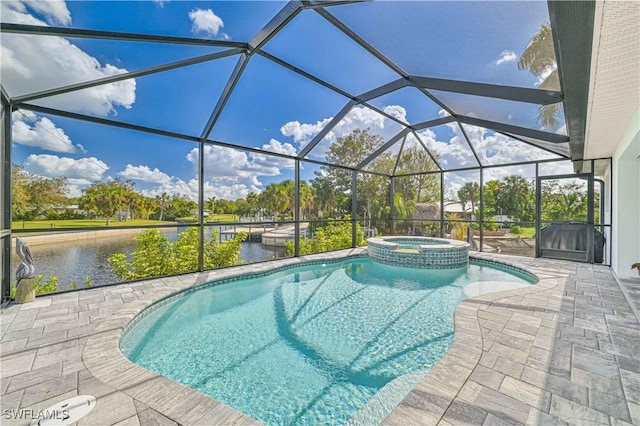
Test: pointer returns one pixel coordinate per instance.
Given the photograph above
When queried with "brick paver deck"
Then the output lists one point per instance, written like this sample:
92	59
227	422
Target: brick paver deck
565	351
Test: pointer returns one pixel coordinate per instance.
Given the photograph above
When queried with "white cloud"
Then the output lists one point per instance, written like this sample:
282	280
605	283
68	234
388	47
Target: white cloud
28	66
498	173
454	152
220	187
53	11
145	174
496	148
234	173
506	56
216	187
397	111
174	187
358	117
204	20
229	173
160	3
234	164
303	133
82	170
160	182
280	148
80	173
270	161
30	130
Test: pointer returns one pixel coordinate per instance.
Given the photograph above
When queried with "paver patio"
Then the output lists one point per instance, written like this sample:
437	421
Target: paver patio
565	351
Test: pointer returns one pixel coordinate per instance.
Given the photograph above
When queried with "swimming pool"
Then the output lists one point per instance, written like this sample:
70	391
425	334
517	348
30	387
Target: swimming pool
314	344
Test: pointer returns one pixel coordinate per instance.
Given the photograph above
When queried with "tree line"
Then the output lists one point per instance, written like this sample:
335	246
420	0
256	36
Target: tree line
515	196
327	195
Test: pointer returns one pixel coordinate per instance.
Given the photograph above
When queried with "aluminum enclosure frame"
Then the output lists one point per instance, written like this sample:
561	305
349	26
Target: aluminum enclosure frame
569	63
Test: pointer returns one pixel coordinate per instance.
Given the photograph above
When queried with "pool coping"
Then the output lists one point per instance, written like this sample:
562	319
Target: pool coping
445	381
104	360
444	243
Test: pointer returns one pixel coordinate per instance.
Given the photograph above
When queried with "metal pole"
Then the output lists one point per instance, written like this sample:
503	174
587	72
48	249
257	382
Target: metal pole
441	204
354	210
538	212
392	194
610	221
201	206
590	220
296	211
481	208
6	200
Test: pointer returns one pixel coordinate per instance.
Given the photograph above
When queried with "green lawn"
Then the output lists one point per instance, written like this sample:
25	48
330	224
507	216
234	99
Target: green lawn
82	223
88	223
211	218
527	232
222	218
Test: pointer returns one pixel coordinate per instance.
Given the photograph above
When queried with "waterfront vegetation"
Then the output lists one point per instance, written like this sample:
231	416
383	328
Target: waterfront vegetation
156	256
336	235
50	285
42	286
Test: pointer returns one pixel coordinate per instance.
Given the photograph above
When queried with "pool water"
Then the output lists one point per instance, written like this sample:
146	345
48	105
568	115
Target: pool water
309	345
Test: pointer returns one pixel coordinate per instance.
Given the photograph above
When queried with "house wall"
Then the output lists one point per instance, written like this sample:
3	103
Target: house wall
626	200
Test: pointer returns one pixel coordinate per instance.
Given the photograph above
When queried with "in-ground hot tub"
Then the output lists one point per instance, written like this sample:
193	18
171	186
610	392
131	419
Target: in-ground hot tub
419	252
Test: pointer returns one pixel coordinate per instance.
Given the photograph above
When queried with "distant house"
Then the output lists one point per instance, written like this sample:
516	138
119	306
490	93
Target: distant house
503	218
72	208
205	214
454	207
426	211
431	211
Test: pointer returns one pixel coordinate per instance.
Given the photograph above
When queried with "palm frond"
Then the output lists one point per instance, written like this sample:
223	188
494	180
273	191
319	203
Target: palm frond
548	115
551	82
539	55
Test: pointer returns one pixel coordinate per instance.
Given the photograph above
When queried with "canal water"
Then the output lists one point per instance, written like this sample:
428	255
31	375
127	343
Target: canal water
72	261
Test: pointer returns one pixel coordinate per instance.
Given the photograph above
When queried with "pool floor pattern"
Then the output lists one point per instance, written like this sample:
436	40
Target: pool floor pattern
566	351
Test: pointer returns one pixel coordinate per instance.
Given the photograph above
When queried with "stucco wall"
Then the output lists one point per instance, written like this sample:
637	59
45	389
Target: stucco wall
626	200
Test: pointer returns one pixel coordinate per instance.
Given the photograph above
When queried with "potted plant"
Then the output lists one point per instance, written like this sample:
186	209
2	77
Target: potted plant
636	266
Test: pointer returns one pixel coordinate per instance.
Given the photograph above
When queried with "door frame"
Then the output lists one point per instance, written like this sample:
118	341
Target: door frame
590	216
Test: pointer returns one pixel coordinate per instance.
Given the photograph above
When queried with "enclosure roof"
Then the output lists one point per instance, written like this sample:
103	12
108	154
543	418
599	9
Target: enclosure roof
292	78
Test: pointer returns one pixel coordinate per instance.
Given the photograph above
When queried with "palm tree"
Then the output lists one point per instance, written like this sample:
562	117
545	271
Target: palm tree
469	193
253	200
307	195
163	201
147	207
539	58
133	201
211	204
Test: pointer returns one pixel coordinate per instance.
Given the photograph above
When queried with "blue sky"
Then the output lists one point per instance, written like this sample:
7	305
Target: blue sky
271	107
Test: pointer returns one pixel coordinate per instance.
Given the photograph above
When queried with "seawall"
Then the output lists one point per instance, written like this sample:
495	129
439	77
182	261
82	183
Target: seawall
61	236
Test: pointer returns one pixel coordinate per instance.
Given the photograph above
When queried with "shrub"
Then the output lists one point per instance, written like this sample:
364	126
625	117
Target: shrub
490	225
459	231
336	235
156	256
41	286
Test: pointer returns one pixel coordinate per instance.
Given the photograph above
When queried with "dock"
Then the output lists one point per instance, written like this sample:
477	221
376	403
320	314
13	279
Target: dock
278	237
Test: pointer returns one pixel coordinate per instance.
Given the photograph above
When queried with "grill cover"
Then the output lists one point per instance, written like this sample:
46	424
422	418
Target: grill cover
571	237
